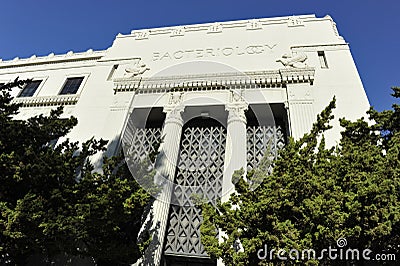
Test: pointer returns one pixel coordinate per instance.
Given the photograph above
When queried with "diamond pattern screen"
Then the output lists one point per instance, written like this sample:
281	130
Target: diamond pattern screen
259	140
142	142
200	171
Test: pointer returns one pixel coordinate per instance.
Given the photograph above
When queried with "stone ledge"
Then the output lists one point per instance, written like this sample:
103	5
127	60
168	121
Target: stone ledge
47	100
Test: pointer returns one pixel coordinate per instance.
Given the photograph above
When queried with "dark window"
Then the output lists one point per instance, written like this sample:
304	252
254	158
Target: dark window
322	59
30	88
111	75
72	85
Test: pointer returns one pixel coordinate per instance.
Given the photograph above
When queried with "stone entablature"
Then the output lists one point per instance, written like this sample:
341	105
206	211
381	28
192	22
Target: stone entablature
47	100
255	79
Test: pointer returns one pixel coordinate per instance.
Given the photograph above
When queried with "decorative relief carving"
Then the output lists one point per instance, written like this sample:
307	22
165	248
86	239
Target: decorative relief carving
178	31
174	108
215	28
295	61
295	22
175	98
236	107
136	70
253	25
141	34
300	94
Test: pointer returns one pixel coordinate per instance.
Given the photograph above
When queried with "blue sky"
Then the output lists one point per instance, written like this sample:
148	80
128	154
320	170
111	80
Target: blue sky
39	27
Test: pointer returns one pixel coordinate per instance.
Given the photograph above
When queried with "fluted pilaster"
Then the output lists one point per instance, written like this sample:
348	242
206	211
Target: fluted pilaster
166	166
301	109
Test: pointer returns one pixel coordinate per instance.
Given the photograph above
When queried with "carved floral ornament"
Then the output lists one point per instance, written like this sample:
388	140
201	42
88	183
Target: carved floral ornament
295	21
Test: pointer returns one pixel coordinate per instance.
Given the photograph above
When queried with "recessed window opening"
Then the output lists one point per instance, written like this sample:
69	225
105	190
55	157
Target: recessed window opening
30	88
111	75
322	59
72	85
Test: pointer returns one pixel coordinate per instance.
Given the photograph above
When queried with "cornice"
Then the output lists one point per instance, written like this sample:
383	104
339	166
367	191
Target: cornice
297	75
320	47
47	100
52	59
218	27
218	81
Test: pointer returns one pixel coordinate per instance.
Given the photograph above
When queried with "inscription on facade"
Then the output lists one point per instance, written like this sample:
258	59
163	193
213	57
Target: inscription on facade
256	49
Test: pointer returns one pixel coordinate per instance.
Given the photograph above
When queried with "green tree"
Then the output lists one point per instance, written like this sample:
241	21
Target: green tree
53	203
315	195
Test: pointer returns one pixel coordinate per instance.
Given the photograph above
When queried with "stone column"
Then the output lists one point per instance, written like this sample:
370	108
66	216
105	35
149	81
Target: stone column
166	167
235	151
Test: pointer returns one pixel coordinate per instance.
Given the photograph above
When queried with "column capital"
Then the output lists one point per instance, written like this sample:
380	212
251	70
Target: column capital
174	108
236	107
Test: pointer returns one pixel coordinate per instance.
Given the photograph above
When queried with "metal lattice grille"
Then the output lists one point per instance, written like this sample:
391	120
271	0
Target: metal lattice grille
200	171
143	142
259	140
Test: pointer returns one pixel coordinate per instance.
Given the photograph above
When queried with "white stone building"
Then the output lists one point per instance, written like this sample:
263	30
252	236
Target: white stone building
218	94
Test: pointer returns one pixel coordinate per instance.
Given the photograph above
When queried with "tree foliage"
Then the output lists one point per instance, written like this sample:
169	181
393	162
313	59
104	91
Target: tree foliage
316	195
53	203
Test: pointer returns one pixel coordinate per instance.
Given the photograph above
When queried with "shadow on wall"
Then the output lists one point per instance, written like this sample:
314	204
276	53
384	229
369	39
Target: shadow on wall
147	259
113	149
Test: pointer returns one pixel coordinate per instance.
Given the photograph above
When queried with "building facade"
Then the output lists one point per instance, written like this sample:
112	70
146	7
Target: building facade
218	95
